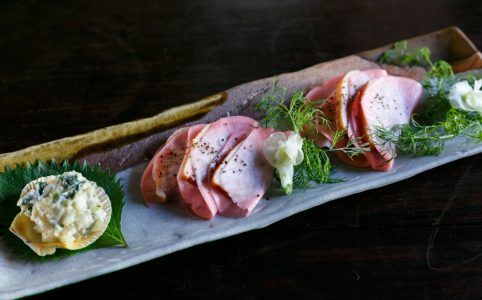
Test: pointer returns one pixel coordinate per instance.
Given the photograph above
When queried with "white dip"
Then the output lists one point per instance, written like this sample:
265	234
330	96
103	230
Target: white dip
64	208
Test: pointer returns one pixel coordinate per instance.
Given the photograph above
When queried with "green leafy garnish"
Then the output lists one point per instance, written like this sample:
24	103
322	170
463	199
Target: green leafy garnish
440	77
316	167
401	56
297	113
12	181
353	147
437	122
423	140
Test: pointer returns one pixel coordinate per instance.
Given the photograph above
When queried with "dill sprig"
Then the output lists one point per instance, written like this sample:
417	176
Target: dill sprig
437	122
12	181
423	140
353	147
316	167
297	113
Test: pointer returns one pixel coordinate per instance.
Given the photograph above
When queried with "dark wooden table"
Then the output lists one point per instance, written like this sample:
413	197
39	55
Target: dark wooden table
67	67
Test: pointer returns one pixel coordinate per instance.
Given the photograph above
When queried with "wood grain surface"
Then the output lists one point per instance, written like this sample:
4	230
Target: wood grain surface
68	67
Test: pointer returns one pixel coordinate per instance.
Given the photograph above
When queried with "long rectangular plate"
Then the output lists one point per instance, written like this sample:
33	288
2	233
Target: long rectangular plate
155	232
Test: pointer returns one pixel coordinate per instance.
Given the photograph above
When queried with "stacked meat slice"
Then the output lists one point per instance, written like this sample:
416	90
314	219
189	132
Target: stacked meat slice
159	180
216	168
219	168
358	103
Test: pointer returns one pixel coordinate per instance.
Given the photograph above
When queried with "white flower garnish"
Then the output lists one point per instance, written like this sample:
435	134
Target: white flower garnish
463	96
283	153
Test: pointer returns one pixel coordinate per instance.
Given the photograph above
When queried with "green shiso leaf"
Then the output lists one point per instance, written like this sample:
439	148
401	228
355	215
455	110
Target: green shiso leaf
12	181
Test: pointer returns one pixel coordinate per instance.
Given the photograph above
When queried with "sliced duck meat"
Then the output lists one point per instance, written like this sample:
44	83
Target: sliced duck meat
212	146
245	174
148	186
384	102
159	178
345	92
208	147
222	202
191	197
166	164
322	134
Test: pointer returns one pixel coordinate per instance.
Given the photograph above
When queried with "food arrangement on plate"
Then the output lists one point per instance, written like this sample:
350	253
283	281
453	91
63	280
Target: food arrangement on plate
264	151
362	118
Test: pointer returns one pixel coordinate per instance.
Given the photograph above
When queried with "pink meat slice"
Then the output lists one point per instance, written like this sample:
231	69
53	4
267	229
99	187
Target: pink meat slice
346	90
345	93
222	201
207	147
385	102
148	186
154	187
245	175
191	197
212	144
166	164
323	135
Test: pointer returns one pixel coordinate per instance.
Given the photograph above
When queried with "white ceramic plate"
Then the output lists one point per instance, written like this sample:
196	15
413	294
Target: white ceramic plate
162	230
